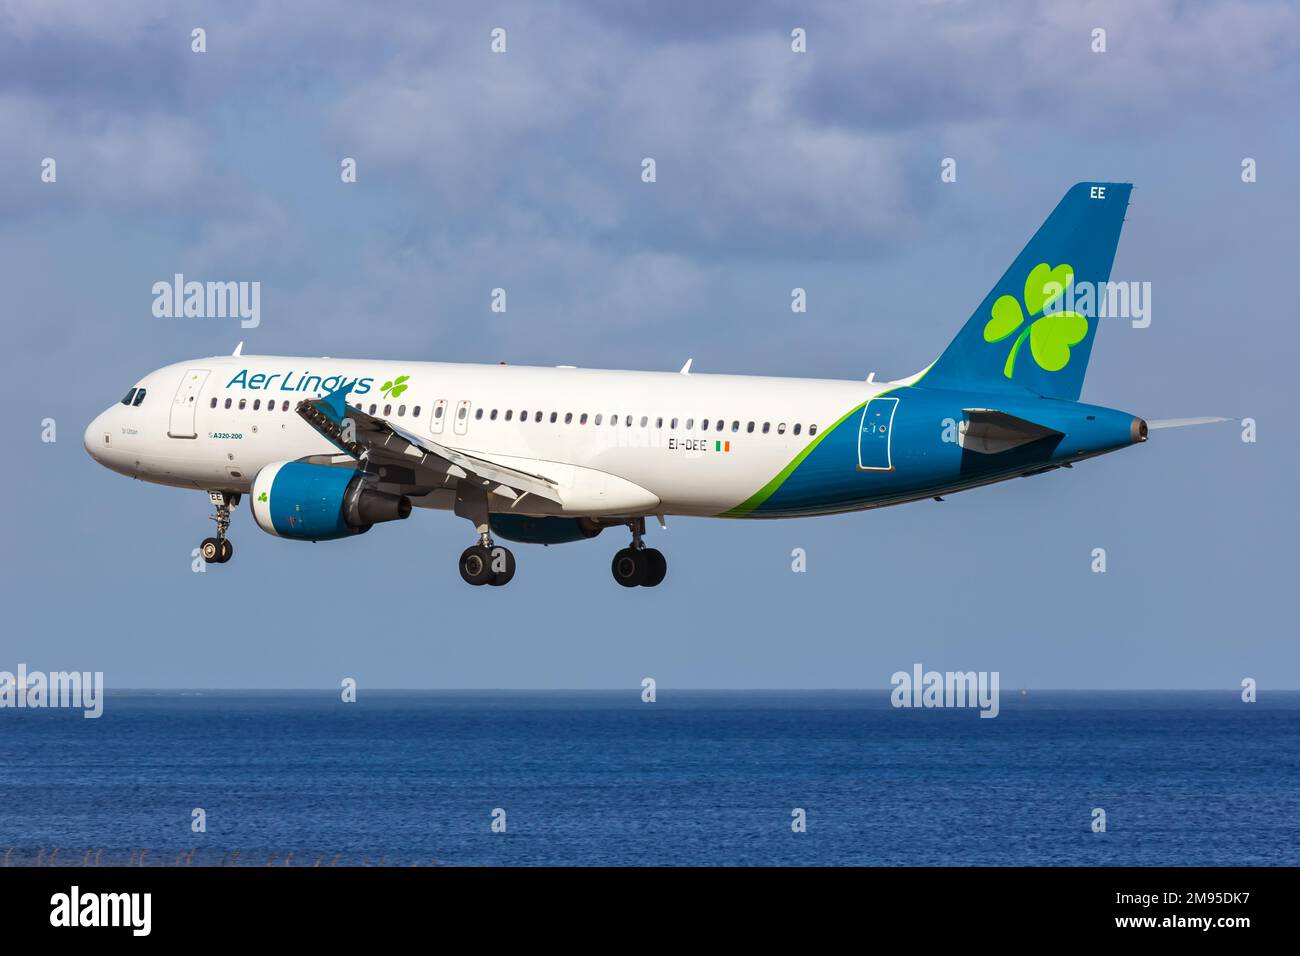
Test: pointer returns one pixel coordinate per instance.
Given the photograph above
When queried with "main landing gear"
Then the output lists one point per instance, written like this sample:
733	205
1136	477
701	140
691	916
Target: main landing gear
637	565
485	562
219	550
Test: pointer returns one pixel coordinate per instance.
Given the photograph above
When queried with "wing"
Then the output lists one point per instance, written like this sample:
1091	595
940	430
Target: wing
379	442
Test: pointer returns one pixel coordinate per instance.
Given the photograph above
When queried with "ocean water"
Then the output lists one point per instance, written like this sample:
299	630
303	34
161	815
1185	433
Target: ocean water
696	778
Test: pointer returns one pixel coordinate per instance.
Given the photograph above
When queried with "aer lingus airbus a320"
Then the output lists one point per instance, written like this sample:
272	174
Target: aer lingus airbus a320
326	448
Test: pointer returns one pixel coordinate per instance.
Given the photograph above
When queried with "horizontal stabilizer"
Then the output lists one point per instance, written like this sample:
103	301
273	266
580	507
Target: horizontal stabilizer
988	431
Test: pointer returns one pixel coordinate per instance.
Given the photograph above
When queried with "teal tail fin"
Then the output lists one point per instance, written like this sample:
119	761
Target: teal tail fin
1035	329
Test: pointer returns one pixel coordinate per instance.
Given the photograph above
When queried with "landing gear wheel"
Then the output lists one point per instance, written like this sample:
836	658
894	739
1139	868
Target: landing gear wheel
504	560
476	565
656	567
227	551
211	550
629	567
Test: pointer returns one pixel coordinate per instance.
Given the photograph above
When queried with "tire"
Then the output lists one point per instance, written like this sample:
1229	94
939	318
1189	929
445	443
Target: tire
476	566
227	551
210	550
628	568
502	577
656	567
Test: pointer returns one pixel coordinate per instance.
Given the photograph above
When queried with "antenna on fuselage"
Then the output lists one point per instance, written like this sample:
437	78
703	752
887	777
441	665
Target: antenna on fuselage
686	369
239	349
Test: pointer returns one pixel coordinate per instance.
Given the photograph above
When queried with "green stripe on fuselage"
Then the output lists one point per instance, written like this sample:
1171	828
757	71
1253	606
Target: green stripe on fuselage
769	489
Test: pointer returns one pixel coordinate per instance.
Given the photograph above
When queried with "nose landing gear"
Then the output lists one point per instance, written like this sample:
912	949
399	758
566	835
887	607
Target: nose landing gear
637	565
219	550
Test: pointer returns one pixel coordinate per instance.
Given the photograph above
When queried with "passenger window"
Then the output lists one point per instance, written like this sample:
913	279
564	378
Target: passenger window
242	402
388	410
797	426
735	426
582	419
767	426
554	416
780	429
270	406
673	424
372	409
812	429
510	413
597	420
689	423
628	422
659	423
126	399
704	424
285	407
568	418
749	429
523	416
257	404
645	420
537	416
401	410
415	412
493	416
478	415
460	412
227	403
721	423
214	402
437	413
139	397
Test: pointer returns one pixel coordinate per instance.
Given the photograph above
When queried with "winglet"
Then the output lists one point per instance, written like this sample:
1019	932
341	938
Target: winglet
686	369
334	404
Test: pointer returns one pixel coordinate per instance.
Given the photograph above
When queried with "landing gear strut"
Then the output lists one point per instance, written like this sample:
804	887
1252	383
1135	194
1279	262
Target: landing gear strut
637	565
485	562
219	550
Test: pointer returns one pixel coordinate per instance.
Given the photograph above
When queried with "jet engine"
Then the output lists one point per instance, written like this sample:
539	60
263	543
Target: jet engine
306	502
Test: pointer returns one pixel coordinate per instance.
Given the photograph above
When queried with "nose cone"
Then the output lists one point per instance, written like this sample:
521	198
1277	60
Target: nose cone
97	437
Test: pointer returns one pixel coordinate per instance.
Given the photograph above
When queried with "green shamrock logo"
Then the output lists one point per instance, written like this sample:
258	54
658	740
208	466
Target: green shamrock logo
397	386
1050	335
262	497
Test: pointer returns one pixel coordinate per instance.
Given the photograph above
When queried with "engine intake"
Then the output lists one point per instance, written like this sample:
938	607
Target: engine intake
306	502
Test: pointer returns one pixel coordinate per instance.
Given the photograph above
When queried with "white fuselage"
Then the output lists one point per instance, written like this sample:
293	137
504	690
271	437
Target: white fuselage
617	442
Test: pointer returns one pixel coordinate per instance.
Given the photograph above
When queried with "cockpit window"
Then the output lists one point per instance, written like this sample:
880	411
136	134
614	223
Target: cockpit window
129	395
139	396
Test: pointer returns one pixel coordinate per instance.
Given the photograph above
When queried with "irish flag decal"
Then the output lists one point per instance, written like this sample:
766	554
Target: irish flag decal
722	446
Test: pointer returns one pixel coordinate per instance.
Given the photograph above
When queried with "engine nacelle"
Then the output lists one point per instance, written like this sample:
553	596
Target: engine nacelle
294	499
548	530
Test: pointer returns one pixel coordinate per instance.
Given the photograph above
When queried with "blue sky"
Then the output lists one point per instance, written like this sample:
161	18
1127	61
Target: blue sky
775	170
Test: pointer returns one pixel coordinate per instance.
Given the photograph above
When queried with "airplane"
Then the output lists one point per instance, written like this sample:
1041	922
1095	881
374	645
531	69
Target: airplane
325	449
